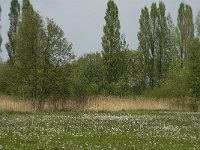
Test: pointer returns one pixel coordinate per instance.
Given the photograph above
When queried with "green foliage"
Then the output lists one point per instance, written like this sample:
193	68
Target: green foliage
41	57
112	58
14	22
0	28
186	30
55	58
194	70
4	78
197	24
154	44
175	86
87	75
10	82
163	44
29	42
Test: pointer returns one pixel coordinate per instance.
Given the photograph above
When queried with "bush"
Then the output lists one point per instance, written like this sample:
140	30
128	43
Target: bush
173	87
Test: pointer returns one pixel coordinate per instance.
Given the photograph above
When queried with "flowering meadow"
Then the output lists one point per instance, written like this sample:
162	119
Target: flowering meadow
100	130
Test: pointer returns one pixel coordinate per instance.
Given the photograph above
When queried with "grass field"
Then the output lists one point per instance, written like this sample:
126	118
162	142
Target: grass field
100	130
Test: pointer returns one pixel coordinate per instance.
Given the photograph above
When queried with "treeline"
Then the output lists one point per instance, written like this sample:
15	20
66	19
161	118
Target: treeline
42	66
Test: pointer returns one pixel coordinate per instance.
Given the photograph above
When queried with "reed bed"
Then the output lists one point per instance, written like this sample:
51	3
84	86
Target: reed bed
8	103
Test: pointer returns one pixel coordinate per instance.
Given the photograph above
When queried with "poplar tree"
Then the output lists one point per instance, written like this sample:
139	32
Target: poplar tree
144	46
154	44
14	16
194	72
26	5
163	47
29	49
173	46
186	29
111	44
0	28
197	24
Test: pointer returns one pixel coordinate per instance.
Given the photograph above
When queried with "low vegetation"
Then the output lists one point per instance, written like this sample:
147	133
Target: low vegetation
95	104
116	130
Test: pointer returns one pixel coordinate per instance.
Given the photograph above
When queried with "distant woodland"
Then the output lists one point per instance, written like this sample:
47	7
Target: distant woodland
42	66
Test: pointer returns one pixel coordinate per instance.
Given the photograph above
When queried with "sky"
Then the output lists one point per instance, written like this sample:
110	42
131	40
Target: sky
83	20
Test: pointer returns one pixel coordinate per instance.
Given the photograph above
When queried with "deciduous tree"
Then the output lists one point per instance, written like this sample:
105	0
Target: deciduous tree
186	29
145	39
197	25
194	72
14	16
56	56
154	44
0	28
29	49
111	53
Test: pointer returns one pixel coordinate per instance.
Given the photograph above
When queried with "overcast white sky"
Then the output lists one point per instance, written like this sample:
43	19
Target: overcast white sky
83	20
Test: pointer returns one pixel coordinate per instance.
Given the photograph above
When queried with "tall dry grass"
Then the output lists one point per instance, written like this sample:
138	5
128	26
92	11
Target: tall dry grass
8	103
135	103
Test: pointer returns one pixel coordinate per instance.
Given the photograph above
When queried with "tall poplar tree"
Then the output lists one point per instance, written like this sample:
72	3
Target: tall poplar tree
154	44
0	28
163	47
111	44
145	45
186	29
14	16
194	72
173	46
29	49
197	24
25	6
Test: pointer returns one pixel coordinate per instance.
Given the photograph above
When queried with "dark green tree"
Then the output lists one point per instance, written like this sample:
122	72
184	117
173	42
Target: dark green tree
194	72
173	49
146	47
163	46
25	6
153	21
87	75
197	25
56	57
0	28
155	44
29	43
111	53
14	16
186	29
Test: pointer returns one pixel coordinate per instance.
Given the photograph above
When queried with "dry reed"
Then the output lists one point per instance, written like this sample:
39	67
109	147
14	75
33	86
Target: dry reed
136	103
8	103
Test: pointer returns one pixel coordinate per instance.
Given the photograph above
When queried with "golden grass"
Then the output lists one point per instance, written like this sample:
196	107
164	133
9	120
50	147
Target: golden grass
8	103
136	103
